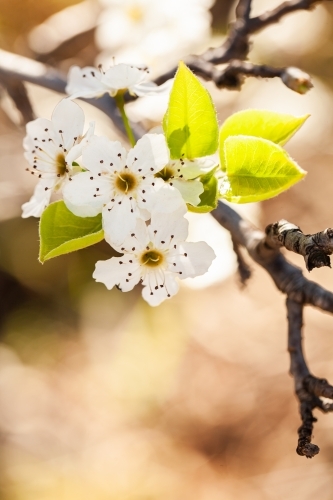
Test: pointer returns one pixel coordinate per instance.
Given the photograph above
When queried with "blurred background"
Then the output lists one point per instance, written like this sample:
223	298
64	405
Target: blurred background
102	396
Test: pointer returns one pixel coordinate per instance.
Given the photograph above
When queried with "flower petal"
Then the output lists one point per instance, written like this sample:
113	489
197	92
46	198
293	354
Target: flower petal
118	271
68	122
149	155
192	259
137	241
103	156
167	229
76	150
122	76
151	89
85	195
38	202
190	169
40	140
118	221
85	82
190	190
165	199
166	284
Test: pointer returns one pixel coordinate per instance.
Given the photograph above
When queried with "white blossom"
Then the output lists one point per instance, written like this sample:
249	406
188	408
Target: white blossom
90	82
156	256
51	147
153	32
122	185
183	174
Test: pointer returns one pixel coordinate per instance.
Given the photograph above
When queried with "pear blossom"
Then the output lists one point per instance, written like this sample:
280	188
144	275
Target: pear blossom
51	148
156	256
90	82
183	174
122	185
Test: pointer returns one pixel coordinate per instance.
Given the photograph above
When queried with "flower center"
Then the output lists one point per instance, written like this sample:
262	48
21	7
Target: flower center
135	12
166	173
152	258
126	182
61	164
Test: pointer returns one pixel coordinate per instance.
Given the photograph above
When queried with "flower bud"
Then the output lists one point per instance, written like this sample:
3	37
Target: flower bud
296	80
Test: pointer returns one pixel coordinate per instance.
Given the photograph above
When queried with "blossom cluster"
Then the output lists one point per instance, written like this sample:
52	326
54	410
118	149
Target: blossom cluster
141	193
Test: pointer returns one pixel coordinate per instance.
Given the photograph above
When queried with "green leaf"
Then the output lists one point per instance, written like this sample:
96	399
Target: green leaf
62	232
210	194
190	123
275	127
257	169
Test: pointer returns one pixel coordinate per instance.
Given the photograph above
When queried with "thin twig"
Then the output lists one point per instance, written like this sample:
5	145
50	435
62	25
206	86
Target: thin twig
237	44
274	16
18	93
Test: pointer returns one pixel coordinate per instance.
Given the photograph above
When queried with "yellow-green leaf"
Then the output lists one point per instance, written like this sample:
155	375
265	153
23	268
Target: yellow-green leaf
190	123
257	169
62	232
275	127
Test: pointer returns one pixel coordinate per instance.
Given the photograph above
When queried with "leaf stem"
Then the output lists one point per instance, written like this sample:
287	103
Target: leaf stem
119	98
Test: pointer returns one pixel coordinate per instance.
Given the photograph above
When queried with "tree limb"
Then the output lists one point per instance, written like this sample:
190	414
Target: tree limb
265	251
315	248
237	45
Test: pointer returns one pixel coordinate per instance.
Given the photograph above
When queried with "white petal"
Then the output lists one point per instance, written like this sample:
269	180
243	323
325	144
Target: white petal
88	86
167	229
192	259
41	139
116	271
190	190
38	202
122	76
137	241
68	122
166	199
190	169
39	129
86	194
149	155
102	155
154	296
151	89
76	151
118	221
